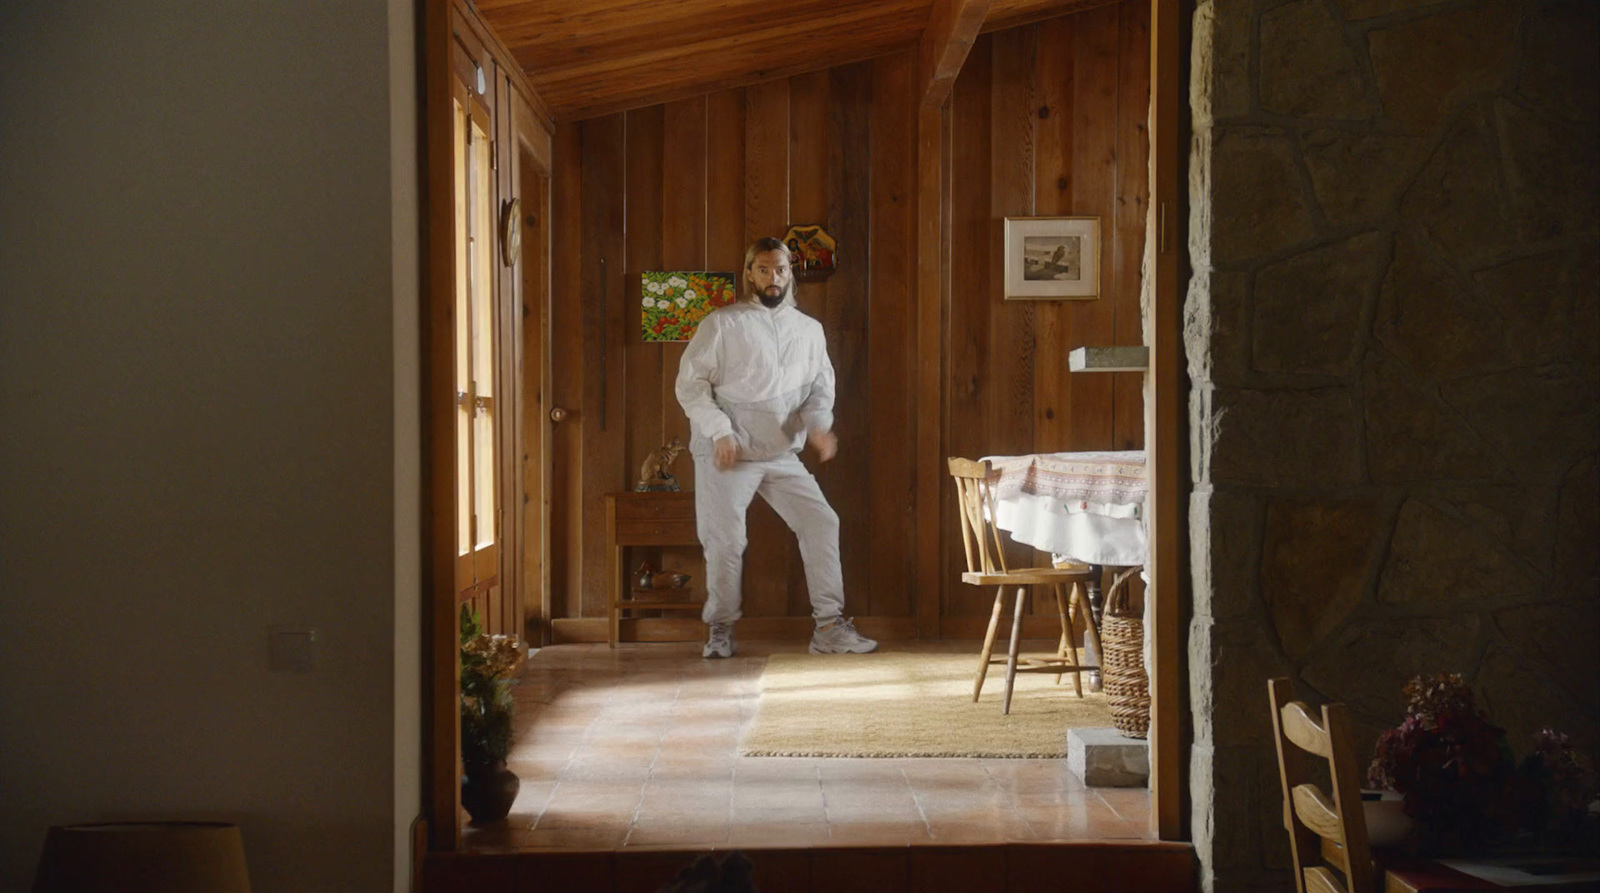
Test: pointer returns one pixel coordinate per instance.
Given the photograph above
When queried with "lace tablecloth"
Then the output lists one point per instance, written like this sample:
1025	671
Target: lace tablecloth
1085	506
1109	478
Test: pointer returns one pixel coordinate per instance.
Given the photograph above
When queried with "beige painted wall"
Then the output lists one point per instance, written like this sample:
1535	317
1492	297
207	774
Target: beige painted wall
208	291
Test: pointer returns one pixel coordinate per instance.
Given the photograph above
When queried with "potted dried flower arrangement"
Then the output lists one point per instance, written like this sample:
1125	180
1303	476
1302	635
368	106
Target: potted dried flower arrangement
488	788
1559	803
1461	783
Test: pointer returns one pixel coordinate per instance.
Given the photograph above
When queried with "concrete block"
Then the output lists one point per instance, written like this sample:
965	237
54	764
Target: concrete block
1105	759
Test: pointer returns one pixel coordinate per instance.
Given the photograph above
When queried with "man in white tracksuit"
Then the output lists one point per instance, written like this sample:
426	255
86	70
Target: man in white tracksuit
757	386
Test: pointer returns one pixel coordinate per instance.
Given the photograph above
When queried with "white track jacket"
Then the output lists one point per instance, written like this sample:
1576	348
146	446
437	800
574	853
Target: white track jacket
761	375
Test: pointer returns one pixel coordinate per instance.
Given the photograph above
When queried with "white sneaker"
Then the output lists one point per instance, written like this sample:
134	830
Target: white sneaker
841	638
720	643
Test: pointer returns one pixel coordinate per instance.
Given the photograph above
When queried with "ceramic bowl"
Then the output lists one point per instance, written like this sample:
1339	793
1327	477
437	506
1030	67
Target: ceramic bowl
1387	822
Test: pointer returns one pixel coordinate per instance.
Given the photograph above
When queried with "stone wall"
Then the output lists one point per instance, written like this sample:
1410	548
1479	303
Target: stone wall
1393	340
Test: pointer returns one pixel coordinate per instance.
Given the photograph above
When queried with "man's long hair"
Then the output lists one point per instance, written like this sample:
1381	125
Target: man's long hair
761	246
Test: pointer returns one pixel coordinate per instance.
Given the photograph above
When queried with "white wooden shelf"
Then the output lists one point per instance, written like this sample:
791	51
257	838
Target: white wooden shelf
1109	359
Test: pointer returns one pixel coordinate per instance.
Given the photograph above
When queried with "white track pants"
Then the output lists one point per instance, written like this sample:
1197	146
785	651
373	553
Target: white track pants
720	501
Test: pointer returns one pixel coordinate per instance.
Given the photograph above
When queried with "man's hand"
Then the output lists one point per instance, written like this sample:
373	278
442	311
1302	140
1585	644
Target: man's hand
824	443
727	452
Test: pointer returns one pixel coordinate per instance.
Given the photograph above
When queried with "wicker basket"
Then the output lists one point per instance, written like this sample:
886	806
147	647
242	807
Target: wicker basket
1126	685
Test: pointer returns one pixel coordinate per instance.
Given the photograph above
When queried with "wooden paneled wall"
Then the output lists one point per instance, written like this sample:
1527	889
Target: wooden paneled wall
1046	120
688	184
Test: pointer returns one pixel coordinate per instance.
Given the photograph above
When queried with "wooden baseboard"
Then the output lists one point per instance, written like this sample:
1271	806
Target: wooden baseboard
885	629
690	629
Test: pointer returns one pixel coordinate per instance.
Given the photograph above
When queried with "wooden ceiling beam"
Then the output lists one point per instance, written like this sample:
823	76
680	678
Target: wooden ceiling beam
655	93
686	69
1005	14
952	27
718	53
564	21
582	60
723	25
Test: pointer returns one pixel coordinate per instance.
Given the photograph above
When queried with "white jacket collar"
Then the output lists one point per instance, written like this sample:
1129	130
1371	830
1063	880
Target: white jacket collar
754	301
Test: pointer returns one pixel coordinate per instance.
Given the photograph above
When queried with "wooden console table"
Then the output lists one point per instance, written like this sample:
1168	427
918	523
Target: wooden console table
1544	873
645	519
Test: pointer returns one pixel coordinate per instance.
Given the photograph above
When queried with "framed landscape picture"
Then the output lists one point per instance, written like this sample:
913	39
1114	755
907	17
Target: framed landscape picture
674	301
1052	258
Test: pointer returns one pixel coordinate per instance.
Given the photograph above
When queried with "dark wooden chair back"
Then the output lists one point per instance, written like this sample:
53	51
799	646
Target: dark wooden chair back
1325	833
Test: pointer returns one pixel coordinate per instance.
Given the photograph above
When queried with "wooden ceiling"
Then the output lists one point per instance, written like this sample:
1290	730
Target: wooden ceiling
595	57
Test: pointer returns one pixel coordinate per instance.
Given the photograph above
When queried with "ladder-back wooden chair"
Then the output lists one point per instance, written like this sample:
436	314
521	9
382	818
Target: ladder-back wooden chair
1324	834
986	566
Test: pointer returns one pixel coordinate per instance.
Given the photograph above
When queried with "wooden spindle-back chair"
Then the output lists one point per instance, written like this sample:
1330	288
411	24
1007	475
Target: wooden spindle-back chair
986	566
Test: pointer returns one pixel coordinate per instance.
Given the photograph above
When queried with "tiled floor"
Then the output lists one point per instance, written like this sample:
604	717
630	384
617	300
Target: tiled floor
638	748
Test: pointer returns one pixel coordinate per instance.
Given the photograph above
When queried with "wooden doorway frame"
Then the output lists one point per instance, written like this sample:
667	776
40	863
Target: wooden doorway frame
954	25
521	127
1166	429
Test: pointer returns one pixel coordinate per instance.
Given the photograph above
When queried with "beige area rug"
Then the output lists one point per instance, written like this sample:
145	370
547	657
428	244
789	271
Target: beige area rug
898	704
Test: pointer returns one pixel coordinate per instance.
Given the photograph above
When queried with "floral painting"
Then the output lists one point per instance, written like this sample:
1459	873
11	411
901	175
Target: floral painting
675	301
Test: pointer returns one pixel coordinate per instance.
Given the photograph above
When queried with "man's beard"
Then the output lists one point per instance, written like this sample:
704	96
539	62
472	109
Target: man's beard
773	300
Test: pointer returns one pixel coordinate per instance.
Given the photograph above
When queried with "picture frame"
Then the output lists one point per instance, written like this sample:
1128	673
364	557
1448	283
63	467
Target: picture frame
813	253
1052	258
673	302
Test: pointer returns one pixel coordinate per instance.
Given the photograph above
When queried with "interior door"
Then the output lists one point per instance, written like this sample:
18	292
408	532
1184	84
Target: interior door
531	185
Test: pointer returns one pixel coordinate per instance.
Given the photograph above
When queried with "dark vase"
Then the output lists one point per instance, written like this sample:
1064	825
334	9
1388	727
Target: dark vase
487	792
